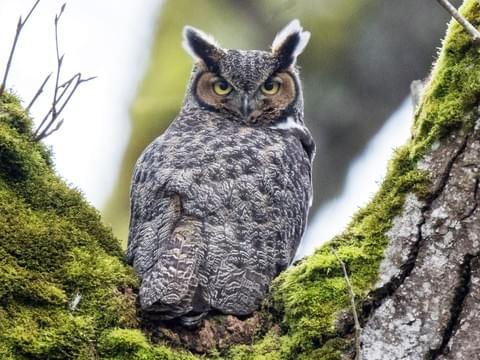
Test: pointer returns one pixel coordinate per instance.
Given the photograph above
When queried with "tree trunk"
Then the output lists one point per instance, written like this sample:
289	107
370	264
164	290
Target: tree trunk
431	266
430	276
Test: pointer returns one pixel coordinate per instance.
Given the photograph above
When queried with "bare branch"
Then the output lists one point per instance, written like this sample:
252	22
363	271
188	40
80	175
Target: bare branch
67	83
358	328
65	86
462	21
88	79
20	26
59	63
78	82
43	135
62	91
39	92
31	11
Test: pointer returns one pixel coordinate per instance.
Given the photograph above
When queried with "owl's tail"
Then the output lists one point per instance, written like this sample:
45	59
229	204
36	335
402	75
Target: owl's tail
169	289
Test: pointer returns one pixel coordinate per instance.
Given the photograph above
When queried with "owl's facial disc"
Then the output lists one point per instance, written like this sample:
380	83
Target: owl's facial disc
261	105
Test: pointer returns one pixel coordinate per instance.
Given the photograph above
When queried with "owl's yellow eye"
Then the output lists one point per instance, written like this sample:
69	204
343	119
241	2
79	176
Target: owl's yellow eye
270	87
221	87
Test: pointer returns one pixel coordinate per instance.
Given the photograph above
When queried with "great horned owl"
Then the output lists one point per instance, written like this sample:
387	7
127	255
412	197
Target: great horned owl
219	202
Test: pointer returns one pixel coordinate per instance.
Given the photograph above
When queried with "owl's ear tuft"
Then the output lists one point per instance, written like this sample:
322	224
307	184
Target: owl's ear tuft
201	47
289	43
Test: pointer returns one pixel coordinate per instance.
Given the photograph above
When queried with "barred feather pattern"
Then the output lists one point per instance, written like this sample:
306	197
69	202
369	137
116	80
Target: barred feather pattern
219	206
213	221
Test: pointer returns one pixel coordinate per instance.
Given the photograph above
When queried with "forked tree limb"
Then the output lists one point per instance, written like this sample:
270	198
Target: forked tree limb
62	91
59	62
50	123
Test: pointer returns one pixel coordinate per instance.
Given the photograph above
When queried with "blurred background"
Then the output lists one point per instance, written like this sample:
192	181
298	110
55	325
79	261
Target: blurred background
356	70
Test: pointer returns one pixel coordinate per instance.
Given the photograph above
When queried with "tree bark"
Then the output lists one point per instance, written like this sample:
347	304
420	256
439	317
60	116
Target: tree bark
433	258
430	275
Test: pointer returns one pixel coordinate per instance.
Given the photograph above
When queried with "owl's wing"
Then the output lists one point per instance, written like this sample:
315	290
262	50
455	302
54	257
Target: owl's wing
308	145
307	141
153	214
162	249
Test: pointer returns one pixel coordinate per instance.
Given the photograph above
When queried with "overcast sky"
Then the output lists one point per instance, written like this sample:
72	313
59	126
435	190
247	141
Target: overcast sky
105	38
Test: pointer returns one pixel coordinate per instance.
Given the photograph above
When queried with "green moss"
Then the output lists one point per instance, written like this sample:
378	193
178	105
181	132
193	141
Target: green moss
268	348
122	342
132	344
14	115
455	84
53	249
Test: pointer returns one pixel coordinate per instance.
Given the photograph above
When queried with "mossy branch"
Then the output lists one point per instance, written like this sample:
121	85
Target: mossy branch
21	23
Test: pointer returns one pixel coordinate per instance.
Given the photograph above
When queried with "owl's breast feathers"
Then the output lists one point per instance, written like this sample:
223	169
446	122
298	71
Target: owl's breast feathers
217	211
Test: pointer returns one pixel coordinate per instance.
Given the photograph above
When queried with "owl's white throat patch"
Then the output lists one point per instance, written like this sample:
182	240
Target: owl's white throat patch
288	124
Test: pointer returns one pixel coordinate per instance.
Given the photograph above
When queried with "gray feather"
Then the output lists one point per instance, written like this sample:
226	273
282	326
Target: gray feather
219	206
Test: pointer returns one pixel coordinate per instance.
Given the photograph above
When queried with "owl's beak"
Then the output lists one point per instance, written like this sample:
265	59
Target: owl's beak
247	106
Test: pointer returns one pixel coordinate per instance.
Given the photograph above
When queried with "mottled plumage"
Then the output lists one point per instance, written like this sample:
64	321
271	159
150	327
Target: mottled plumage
219	202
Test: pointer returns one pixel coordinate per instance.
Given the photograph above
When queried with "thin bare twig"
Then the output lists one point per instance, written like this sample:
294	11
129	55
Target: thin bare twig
39	92
48	133
67	83
20	26
59	62
65	86
462	21
79	82
358	328
61	90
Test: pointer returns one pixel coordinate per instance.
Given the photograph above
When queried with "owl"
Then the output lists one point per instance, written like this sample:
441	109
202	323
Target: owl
219	201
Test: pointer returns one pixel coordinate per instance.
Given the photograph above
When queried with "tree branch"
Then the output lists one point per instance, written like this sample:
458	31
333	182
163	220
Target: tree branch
20	26
59	62
39	92
67	88
461	20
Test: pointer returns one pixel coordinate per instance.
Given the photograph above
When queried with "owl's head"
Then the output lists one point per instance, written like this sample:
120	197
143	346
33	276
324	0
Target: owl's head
251	86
